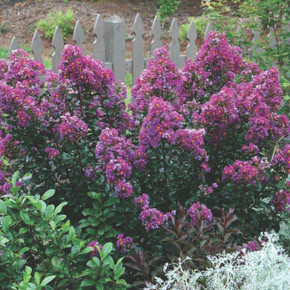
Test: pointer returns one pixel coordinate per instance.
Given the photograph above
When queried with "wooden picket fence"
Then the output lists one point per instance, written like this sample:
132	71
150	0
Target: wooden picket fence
109	45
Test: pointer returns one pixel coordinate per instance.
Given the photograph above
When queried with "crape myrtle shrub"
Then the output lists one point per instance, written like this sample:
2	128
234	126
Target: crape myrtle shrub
196	164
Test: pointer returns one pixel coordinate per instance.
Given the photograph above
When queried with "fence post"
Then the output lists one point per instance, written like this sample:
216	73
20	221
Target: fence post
115	45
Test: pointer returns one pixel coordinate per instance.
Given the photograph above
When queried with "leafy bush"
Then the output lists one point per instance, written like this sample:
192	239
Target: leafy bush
270	18
264	269
36	235
200	24
196	162
166	8
64	21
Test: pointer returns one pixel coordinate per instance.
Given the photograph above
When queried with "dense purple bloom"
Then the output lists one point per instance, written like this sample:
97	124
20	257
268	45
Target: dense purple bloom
52	152
124	244
142	200
199	212
124	189
247	172
72	128
281	201
161	78
161	122
152	218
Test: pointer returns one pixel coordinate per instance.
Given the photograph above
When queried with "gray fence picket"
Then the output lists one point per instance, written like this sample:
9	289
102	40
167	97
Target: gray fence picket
138	48
208	29
37	47
191	49
78	35
156	32
99	50
174	46
115	45
58	45
14	44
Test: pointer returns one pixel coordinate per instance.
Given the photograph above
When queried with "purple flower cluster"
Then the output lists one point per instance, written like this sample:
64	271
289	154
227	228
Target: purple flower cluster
281	201
52	152
282	158
97	247
24	73
215	66
207	190
125	244
199	212
192	140
151	218
72	128
251	148
161	78
247	172
142	200
161	122
116	153
251	246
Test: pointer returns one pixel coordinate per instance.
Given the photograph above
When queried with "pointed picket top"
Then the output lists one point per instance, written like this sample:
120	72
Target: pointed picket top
58	45
99	49
36	46
14	44
138	48
79	35
191	49
208	29
174	47
156	32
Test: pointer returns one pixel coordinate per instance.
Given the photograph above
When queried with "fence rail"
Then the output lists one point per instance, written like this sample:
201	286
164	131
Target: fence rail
109	44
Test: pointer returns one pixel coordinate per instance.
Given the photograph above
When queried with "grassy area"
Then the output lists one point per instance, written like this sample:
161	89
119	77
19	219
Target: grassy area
4	52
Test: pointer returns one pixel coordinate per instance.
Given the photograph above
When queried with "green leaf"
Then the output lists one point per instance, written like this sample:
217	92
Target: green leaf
94	195
6	223
59	208
22	251
37	278
71	233
111	201
87	282
3	207
48	194
47	280
49	211
107	248
15	177
25	217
